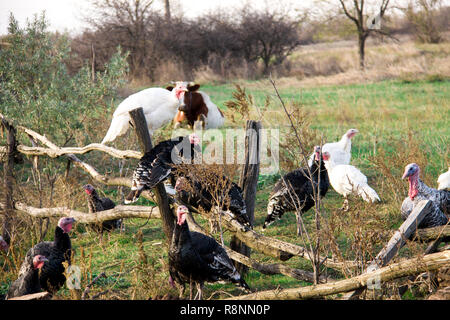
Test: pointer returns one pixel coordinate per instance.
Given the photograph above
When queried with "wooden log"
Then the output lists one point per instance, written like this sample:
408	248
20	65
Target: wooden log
269	269
274	268
401	269
120	211
34	296
403	233
397	241
54	153
8	177
432	234
274	247
248	183
54	150
167	216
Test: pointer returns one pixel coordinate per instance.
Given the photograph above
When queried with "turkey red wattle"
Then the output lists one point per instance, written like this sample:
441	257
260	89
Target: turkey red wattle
413	186
181	212
38	261
66	224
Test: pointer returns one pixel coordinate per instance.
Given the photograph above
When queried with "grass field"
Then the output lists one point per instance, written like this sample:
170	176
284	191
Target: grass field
399	122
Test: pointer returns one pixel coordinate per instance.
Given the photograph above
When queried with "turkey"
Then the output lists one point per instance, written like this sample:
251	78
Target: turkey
418	191
340	151
198	258
28	281
52	276
347	179
4	246
159	105
96	204
295	189
444	181
191	192
157	164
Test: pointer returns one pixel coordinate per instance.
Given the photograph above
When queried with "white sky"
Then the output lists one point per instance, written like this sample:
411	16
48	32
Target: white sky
65	15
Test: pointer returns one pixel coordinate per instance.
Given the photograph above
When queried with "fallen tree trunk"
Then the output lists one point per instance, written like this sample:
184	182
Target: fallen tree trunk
401	269
118	212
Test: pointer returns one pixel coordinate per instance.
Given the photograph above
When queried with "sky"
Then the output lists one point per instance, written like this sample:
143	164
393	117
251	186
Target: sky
66	15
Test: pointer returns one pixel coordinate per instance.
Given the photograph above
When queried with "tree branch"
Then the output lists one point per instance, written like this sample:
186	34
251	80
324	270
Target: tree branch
401	269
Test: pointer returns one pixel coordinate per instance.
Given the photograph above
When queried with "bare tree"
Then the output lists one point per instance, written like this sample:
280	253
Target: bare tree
269	36
423	15
128	23
355	10
167	9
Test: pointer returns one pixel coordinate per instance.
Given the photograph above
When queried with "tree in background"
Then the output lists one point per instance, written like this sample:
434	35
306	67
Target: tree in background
130	24
424	16
356	11
37	89
268	35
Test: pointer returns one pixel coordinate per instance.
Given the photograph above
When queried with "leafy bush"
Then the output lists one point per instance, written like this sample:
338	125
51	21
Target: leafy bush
38	92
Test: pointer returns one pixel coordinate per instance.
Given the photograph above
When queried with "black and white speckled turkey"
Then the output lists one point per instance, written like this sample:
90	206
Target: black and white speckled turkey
418	191
295	189
196	257
157	164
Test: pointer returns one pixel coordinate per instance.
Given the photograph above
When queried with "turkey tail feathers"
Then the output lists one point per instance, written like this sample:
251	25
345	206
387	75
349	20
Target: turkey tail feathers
368	194
119	125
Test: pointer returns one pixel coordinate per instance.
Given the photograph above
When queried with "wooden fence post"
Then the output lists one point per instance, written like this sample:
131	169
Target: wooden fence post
397	241
12	156
167	216
248	182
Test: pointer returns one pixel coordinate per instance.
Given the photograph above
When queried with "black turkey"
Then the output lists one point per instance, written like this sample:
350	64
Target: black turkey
198	258
4	246
418	191
96	204
296	190
157	164
225	193
28	282
58	251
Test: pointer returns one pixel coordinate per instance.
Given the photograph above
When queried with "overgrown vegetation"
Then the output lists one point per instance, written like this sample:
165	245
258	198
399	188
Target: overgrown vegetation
400	121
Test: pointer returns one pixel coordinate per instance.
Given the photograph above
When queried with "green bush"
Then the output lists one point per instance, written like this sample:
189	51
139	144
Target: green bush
37	90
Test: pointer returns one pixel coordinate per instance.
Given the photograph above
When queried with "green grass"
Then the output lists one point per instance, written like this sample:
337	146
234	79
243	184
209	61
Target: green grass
383	112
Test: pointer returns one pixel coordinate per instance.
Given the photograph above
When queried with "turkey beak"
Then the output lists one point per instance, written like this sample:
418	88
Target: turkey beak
45	260
405	175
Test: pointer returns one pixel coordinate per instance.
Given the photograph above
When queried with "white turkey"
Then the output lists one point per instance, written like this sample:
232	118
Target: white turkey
157	164
159	105
295	190
418	191
28	281
340	151
198	258
58	251
347	179
444	181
